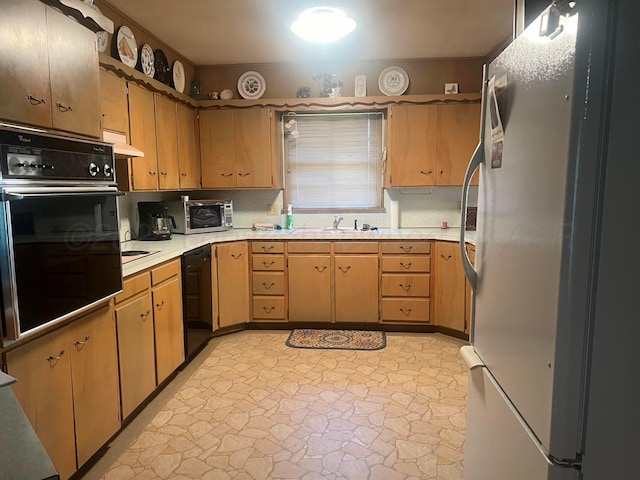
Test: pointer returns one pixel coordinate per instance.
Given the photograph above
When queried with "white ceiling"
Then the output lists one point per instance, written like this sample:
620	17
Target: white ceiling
215	32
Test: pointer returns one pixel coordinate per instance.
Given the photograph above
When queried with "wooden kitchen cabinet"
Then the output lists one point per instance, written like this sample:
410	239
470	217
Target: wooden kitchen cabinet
68	387
355	282
471	252
405	277
237	148
431	145
233	283
309	287
168	330
144	170
268	281
188	148
166	125
48	69
114	103
136	346
449	287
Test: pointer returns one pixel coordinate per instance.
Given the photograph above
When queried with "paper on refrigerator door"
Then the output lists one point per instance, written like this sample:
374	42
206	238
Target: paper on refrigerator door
497	130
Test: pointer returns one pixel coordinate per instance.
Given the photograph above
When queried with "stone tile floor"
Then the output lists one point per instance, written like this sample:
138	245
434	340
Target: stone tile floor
257	409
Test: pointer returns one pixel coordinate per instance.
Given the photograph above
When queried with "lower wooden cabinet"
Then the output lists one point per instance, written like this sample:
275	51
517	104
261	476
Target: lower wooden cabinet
268	281
468	313
68	387
449	287
232	261
309	287
356	288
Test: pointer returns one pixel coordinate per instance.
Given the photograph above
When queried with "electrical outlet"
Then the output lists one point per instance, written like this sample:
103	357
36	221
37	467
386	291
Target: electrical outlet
272	209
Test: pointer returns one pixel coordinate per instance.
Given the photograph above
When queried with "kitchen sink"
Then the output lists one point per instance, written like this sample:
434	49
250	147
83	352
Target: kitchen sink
314	231
130	255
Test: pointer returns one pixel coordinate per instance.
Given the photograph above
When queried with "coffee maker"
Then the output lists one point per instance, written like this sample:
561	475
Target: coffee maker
155	221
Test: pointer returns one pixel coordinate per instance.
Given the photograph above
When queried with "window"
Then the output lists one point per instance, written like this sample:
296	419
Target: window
333	160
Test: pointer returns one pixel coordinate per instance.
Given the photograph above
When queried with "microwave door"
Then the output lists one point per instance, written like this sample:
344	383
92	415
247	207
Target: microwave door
205	216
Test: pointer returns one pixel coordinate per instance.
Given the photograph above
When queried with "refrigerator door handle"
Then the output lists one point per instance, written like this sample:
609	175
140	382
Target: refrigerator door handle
476	159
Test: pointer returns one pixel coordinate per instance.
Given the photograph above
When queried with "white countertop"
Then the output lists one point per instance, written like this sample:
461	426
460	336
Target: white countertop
179	244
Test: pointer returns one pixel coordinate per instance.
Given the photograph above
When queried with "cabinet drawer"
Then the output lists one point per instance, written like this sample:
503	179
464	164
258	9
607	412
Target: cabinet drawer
406	247
268	283
268	308
267	247
309	247
268	262
163	272
134	285
356	247
406	264
405	309
398	285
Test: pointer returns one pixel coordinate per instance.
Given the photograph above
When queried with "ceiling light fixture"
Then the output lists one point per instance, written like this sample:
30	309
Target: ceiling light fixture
323	24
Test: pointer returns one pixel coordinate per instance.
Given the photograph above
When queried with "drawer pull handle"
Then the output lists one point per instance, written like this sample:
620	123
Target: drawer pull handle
406	287
244	174
345	269
267	264
446	257
406	249
236	257
407	312
428	172
54	358
153	174
320	268
183	174
64	108
268	286
226	174
406	266
164	174
268	309
160	305
267	248
144	316
79	343
35	101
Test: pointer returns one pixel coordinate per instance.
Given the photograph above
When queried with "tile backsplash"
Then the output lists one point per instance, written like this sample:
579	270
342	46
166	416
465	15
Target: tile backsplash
404	208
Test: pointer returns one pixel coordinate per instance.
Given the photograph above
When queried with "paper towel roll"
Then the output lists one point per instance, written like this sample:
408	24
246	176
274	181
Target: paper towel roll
393	214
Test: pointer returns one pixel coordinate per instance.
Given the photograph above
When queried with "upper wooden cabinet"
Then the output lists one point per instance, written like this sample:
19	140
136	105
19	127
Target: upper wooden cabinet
115	109
144	170
48	69
431	144
167	143
237	148
188	148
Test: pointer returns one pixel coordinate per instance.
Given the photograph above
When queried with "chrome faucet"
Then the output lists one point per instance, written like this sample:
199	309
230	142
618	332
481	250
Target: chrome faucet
336	222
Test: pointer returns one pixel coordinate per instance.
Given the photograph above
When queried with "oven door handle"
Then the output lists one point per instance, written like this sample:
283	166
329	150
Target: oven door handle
14	196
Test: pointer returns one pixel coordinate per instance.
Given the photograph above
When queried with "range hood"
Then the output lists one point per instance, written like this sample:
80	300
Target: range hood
121	148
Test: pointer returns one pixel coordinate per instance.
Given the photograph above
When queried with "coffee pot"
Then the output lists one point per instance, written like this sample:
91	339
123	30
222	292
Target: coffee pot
155	222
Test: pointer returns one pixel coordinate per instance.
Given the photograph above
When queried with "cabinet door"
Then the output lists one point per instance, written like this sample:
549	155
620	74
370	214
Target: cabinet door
143	136
217	149
449	293
233	283
309	288
471	251
356	286
169	333
188	154
167	142
43	370
96	397
74	77
113	96
412	145
254	156
458	130
25	95
136	355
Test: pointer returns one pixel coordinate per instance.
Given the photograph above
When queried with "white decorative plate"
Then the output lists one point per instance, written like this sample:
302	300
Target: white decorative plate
178	76
127	46
393	81
147	60
251	85
102	38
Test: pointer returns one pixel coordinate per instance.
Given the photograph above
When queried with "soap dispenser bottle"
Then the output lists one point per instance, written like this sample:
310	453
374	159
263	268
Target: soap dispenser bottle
289	225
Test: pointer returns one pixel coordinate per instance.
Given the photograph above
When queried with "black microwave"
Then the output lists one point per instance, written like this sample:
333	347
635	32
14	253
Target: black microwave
201	216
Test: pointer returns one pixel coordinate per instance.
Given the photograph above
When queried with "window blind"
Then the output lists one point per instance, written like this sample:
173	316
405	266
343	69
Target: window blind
333	160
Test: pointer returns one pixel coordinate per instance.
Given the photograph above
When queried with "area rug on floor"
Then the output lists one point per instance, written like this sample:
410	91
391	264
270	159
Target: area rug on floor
336	339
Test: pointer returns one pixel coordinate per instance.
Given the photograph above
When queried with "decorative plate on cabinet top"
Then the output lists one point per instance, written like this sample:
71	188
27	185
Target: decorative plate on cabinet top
126	46
162	73
251	85
178	76
147	60
102	39
393	81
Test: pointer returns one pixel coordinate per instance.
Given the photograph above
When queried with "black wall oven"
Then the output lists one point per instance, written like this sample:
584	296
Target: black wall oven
59	231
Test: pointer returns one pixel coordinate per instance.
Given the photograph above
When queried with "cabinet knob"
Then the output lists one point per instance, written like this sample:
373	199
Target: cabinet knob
240	174
320	268
144	316
268	309
267	248
164	174
153	174
160	305
268	286
236	257
226	174
428	172
406	266
267	264
445	257
406	249
344	269
183	174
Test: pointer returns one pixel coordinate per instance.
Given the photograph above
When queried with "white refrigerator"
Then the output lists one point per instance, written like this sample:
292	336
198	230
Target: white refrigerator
554	391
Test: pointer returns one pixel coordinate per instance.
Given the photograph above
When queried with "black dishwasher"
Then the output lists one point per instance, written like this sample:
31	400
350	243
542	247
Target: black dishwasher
196	299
